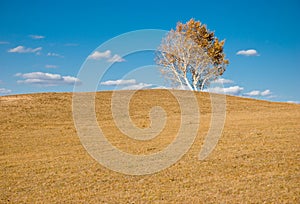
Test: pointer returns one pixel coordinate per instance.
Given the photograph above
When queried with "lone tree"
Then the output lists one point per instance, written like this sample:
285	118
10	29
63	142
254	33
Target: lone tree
191	56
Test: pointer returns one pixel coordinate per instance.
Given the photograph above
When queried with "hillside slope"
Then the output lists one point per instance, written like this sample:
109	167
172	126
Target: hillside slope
42	159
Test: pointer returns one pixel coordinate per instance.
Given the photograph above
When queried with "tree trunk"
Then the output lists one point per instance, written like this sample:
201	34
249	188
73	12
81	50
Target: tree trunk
203	83
188	84
195	87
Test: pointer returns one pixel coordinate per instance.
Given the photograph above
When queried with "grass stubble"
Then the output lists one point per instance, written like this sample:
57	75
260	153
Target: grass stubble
42	160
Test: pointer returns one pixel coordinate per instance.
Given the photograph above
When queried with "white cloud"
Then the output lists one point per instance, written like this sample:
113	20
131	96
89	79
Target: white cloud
70	79
118	82
106	55
53	54
39	75
22	49
116	58
259	93
250	52
46	79
36	37
160	87
50	66
3	42
130	84
266	93
100	55
232	90
253	93
296	102
4	91
137	86
223	81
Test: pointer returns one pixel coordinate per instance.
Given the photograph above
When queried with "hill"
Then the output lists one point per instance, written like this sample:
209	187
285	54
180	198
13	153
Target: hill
42	159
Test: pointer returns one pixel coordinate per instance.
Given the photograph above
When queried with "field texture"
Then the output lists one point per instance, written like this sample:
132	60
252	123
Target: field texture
257	158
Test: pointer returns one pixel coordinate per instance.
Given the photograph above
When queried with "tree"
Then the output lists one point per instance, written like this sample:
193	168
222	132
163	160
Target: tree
191	56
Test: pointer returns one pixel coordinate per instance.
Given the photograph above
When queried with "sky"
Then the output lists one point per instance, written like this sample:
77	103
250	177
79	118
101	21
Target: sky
45	44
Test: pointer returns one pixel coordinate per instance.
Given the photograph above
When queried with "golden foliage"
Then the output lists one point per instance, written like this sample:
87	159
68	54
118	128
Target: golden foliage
204	38
191	48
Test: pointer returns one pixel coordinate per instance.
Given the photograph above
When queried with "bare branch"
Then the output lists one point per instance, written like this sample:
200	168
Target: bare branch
191	56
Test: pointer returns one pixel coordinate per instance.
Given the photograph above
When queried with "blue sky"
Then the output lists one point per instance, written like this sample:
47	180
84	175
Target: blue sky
48	41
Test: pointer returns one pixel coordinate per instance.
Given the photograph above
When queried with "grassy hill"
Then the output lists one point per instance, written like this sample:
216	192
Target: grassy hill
42	159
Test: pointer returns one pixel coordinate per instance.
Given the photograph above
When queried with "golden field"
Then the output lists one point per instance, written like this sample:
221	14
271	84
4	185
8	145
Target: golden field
257	158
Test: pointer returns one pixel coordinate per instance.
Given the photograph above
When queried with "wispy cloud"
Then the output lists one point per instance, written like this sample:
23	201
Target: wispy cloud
160	87
3	42
22	49
232	90
250	52
4	91
53	54
46	79
36	37
116	58
118	82
259	93
223	81
100	55
132	84
138	86
106	55
237	90
296	102
127	84
50	66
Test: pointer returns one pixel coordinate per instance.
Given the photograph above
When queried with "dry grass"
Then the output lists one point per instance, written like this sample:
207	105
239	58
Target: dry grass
42	159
